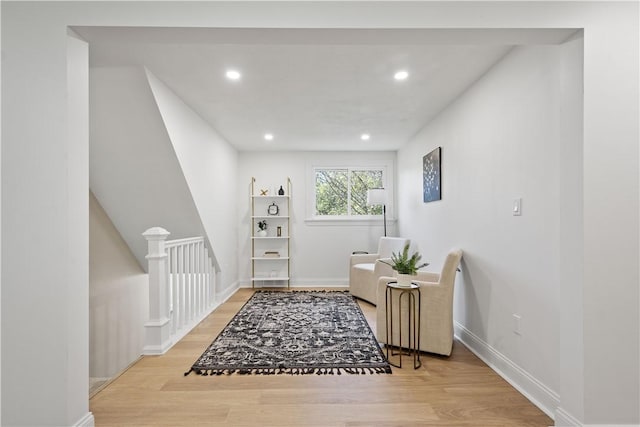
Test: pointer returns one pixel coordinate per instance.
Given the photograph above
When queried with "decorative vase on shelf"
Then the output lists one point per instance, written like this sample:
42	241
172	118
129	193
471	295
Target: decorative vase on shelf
262	228
404	280
281	191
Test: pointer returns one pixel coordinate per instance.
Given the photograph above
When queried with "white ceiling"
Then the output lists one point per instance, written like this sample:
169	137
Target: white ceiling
312	89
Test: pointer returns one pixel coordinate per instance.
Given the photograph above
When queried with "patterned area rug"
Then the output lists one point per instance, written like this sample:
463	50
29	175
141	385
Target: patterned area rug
301	332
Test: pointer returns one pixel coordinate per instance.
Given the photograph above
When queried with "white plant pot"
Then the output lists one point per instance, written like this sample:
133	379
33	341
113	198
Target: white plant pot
404	280
261	233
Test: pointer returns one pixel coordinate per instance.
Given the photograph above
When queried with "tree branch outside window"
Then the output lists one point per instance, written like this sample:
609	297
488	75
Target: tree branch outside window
343	192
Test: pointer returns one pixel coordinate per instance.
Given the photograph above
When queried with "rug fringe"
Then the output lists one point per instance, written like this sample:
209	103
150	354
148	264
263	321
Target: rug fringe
292	371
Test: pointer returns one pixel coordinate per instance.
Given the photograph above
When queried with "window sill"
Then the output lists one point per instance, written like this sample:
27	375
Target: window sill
347	221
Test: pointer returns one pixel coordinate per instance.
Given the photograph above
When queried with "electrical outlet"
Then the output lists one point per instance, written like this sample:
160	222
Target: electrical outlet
516	324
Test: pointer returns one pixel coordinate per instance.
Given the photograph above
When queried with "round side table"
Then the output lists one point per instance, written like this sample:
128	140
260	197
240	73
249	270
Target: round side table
412	347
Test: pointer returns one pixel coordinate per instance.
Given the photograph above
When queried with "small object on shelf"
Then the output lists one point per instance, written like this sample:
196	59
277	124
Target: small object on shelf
262	228
281	191
264	192
279	231
272	254
273	209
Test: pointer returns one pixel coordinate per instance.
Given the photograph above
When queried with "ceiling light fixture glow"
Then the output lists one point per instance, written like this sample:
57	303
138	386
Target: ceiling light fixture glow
233	75
401	75
268	136
365	137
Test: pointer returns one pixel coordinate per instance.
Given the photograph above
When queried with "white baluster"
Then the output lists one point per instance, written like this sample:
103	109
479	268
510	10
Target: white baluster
181	307
173	262
203	279
190	270
201	272
207	290
198	279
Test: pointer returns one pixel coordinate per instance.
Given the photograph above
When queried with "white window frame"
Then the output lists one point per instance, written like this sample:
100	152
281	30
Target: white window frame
387	182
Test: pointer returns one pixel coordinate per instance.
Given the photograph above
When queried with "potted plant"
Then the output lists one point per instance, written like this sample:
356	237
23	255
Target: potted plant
406	266
262	228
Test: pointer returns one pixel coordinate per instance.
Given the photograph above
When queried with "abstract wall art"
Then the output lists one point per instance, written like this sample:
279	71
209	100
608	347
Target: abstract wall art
431	176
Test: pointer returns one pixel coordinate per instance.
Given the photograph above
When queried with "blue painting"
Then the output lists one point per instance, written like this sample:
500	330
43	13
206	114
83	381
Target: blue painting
431	176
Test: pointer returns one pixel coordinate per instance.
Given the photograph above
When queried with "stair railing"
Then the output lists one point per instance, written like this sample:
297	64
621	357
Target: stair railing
181	288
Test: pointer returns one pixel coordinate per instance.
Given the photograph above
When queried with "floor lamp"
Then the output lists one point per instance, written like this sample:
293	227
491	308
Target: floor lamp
376	197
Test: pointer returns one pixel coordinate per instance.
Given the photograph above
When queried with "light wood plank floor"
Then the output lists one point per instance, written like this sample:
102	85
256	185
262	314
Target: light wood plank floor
455	391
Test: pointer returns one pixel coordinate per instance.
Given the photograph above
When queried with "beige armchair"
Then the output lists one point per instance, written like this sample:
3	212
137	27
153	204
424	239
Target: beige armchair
365	269
436	321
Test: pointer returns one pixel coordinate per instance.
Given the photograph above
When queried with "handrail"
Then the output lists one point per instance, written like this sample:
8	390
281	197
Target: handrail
178	242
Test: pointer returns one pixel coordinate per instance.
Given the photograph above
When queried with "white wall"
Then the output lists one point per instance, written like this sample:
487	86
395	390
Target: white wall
500	141
134	172
76	290
571	223
45	182
0	220
118	298
207	162
319	252
36	192
611	291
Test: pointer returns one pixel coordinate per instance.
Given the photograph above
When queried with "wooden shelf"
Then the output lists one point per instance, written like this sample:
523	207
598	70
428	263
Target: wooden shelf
277	196
268	279
269	258
270	216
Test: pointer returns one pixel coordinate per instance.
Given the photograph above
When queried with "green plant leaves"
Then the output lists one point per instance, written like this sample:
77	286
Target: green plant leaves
405	264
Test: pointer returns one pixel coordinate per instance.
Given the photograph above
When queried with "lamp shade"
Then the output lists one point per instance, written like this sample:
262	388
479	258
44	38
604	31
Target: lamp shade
376	196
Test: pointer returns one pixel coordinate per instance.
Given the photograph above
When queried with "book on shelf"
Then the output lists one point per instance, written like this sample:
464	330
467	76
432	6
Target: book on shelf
272	254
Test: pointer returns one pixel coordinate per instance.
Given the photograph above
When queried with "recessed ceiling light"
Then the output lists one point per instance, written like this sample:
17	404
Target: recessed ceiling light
268	136
365	137
401	75
233	75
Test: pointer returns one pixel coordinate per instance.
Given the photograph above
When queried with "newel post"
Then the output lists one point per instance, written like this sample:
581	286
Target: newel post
158	327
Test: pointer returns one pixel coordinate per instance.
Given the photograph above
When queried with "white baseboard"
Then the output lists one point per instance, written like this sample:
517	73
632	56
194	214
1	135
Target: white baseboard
308	283
565	419
319	283
539	394
86	421
223	296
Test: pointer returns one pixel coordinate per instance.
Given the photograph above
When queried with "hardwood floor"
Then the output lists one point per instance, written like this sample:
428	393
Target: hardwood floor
456	391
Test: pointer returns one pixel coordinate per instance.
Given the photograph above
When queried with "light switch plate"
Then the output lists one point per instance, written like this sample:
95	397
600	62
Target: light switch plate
517	207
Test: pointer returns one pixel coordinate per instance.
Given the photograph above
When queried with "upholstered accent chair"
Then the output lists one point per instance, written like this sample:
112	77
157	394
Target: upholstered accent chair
365	269
436	321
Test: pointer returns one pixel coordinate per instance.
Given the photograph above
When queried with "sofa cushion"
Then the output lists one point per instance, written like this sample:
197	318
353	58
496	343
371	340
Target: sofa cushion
365	267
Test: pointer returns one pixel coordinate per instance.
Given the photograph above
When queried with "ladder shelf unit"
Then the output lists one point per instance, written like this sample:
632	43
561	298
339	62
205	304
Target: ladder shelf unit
270	256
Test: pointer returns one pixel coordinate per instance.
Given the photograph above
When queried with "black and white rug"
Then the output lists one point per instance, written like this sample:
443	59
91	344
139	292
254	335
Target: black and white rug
300	332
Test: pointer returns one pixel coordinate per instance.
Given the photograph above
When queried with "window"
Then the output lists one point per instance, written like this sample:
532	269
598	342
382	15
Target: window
342	192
